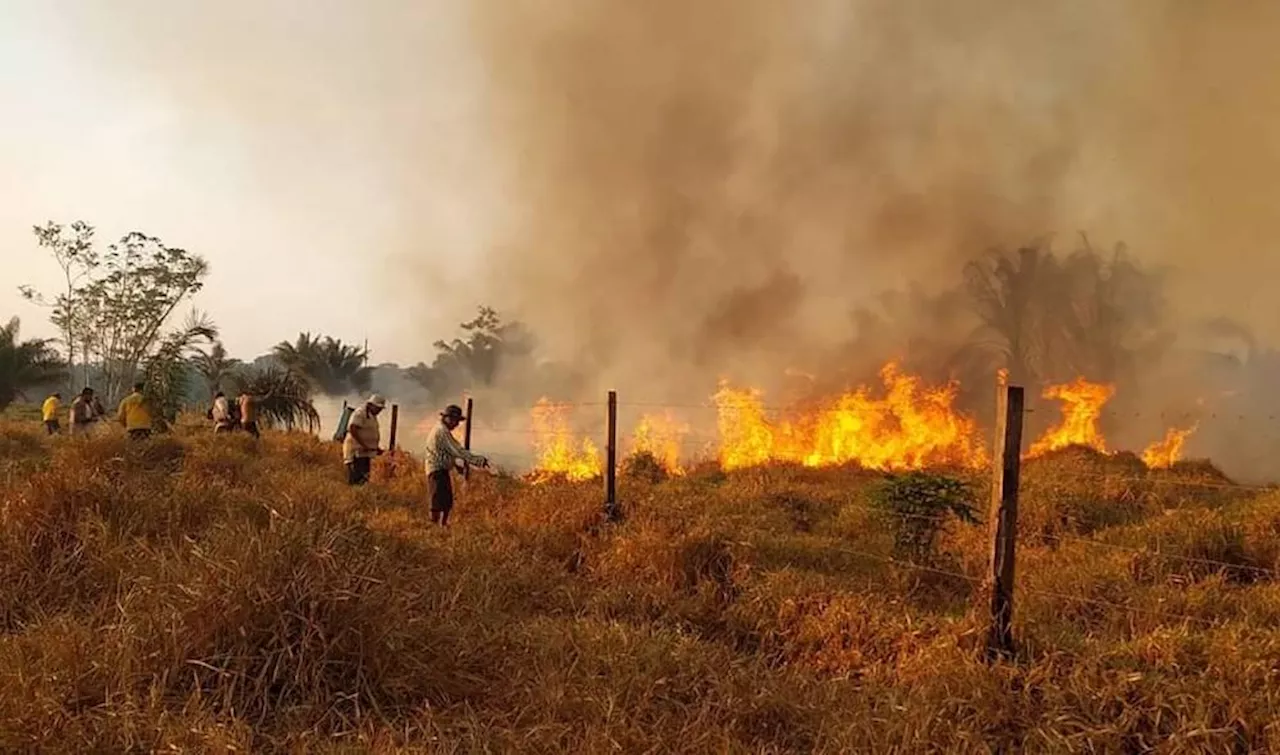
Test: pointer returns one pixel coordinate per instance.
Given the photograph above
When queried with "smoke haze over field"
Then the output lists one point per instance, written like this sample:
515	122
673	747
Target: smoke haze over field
709	184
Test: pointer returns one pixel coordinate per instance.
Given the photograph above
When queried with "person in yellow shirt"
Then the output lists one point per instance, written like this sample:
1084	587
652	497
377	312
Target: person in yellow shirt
135	414
49	412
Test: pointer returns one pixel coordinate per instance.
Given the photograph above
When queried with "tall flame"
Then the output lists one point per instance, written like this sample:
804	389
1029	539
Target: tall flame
558	455
1082	404
909	428
1163	453
662	436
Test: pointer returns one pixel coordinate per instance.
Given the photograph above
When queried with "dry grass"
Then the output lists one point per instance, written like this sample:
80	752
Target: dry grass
212	594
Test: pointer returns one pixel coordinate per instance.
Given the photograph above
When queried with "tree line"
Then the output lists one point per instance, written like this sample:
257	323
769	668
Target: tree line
1038	313
115	312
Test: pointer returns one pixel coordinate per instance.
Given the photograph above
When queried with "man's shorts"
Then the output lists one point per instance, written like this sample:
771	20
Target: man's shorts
139	434
52	427
440	491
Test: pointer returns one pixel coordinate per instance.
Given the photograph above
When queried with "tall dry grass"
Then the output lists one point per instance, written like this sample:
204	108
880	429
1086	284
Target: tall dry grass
215	594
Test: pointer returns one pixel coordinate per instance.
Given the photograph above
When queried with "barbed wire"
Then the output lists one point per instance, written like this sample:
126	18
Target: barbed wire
1021	589
1157	553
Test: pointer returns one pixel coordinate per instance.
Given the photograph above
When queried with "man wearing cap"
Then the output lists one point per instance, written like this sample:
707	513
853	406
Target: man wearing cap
363	436
442	456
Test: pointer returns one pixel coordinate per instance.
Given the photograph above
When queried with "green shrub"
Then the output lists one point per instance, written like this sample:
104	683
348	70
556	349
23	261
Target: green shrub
917	506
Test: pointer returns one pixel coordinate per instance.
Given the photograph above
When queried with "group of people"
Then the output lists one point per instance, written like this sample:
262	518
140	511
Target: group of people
444	454
360	445
242	414
134	413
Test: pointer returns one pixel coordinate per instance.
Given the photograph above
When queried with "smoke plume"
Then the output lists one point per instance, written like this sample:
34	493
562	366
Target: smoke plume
705	188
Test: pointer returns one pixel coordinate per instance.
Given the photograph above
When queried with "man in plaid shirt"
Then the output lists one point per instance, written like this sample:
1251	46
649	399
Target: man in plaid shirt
443	454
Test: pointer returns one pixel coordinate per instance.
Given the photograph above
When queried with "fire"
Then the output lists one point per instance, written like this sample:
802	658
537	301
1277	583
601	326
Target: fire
1082	404
557	452
909	428
1163	453
661	436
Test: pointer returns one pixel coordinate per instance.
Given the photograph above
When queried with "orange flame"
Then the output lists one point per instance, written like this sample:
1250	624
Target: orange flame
1163	453
558	455
661	436
1082	404
911	427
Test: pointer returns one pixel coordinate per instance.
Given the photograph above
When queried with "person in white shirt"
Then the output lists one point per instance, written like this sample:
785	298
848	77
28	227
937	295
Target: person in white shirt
221	414
443	454
361	443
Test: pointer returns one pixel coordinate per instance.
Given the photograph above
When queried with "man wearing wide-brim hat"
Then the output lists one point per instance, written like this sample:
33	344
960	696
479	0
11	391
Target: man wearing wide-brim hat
363	437
443	454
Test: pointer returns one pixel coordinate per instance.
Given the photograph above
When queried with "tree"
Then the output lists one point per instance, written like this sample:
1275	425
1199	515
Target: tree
490	346
166	368
284	397
72	249
214	366
1048	319
25	364
117	303
1011	332
331	367
144	281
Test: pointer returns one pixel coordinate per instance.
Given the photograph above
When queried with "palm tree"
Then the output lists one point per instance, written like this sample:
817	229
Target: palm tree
1004	290
283	397
25	364
165	370
332	367
214	366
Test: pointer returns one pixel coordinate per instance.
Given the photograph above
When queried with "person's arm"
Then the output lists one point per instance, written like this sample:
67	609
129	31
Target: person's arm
121	411
456	450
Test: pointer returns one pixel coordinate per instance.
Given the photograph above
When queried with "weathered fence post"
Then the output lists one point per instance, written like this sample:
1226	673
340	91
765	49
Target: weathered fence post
395	422
466	439
611	510
1006	465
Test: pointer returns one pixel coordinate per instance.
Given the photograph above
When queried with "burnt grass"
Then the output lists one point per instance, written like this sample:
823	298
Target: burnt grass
201	594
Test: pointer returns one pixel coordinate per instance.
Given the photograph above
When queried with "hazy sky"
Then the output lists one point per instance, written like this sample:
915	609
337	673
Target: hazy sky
255	134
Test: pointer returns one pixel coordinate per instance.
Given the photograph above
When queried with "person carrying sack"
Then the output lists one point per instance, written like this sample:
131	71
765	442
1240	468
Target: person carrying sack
443	454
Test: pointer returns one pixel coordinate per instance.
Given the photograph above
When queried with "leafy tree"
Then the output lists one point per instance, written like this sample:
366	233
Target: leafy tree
214	366
117	302
284	397
25	364
72	249
332	367
166	369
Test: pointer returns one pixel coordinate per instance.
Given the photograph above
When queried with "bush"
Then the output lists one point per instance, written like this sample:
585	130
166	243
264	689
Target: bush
917	506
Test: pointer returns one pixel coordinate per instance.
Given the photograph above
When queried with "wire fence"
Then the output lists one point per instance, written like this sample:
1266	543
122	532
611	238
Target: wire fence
697	427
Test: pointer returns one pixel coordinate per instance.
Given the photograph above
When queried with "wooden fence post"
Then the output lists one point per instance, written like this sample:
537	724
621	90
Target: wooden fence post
395	422
1006	467
611	510
466	439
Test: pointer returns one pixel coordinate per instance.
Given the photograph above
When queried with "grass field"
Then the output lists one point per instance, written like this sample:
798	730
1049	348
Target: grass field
213	595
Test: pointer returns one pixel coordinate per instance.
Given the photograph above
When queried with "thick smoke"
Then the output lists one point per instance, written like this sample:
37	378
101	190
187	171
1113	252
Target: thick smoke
711	187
